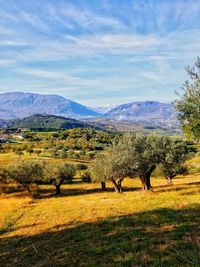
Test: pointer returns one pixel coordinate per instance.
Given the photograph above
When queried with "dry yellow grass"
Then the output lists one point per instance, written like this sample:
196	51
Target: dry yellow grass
12	158
87	227
10	207
101	220
8	158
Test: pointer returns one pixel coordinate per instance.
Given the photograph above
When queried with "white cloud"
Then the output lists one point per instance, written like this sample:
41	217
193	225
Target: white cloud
53	75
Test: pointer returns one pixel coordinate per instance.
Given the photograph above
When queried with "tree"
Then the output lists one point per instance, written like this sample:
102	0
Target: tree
175	152
58	174
98	170
2	150
19	153
38	152
63	154
54	153
81	167
145	156
113	165
26	173
188	105
29	150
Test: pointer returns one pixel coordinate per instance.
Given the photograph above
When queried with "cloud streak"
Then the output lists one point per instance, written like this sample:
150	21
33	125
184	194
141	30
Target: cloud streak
119	48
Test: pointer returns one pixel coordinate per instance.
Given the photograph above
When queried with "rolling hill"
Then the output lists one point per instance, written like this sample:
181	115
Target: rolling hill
47	122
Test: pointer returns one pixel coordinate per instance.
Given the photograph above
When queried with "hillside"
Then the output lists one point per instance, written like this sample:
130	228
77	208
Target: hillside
46	122
87	227
19	105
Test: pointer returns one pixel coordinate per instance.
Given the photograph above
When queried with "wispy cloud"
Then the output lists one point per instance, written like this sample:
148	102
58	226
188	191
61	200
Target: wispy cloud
98	49
52	75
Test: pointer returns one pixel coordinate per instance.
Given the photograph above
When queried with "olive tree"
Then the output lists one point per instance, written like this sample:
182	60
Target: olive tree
145	157
173	156
26	173
188	106
137	156
113	165
57	174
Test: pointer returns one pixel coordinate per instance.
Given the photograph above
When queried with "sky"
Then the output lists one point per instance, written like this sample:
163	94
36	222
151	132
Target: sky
98	52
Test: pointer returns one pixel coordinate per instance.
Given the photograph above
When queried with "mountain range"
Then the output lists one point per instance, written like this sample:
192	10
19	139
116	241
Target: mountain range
151	113
19	105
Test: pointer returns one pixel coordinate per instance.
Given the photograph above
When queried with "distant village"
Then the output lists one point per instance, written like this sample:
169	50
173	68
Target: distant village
7	138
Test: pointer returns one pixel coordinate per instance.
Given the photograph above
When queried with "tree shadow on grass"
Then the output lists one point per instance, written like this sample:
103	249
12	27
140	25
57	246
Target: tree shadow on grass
50	193
179	187
162	237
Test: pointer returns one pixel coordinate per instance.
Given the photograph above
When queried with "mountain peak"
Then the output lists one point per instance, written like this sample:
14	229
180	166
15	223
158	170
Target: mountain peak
21	104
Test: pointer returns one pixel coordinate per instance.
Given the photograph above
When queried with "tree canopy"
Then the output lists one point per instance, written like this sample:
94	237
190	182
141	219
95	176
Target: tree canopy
138	155
188	105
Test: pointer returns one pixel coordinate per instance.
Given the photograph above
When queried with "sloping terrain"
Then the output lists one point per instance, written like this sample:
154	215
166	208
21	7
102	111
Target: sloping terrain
46	122
87	227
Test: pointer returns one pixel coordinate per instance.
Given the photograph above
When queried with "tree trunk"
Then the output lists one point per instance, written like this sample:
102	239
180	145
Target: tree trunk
28	189
143	182
146	178
119	184
148	182
169	180
117	189
103	186
57	189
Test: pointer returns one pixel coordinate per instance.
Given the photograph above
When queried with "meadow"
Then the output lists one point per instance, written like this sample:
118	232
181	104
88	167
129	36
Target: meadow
86	227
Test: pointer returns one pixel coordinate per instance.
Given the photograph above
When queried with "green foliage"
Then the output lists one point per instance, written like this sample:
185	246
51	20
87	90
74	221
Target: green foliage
57	174
26	173
175	152
137	155
30	150
81	166
47	123
114	165
188	105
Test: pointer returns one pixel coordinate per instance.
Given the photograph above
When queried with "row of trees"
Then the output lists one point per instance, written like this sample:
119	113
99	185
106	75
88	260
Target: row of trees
138	156
31	173
131	156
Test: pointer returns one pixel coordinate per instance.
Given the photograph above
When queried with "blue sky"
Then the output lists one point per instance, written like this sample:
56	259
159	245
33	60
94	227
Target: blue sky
98	52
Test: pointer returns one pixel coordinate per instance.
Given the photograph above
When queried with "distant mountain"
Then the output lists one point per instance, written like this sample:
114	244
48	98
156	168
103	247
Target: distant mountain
19	105
104	109
146	113
47	122
5	123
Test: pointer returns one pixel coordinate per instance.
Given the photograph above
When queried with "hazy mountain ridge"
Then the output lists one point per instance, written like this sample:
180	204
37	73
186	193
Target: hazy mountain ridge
142	110
146	113
19	105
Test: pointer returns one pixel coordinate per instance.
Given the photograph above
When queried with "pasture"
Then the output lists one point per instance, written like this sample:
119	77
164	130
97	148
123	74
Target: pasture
86	227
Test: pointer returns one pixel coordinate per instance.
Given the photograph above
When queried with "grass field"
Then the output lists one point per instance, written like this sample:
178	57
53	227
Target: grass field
11	158
87	227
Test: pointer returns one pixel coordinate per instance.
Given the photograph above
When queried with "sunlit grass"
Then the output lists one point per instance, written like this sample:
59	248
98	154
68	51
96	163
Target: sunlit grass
11	207
12	158
87	227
